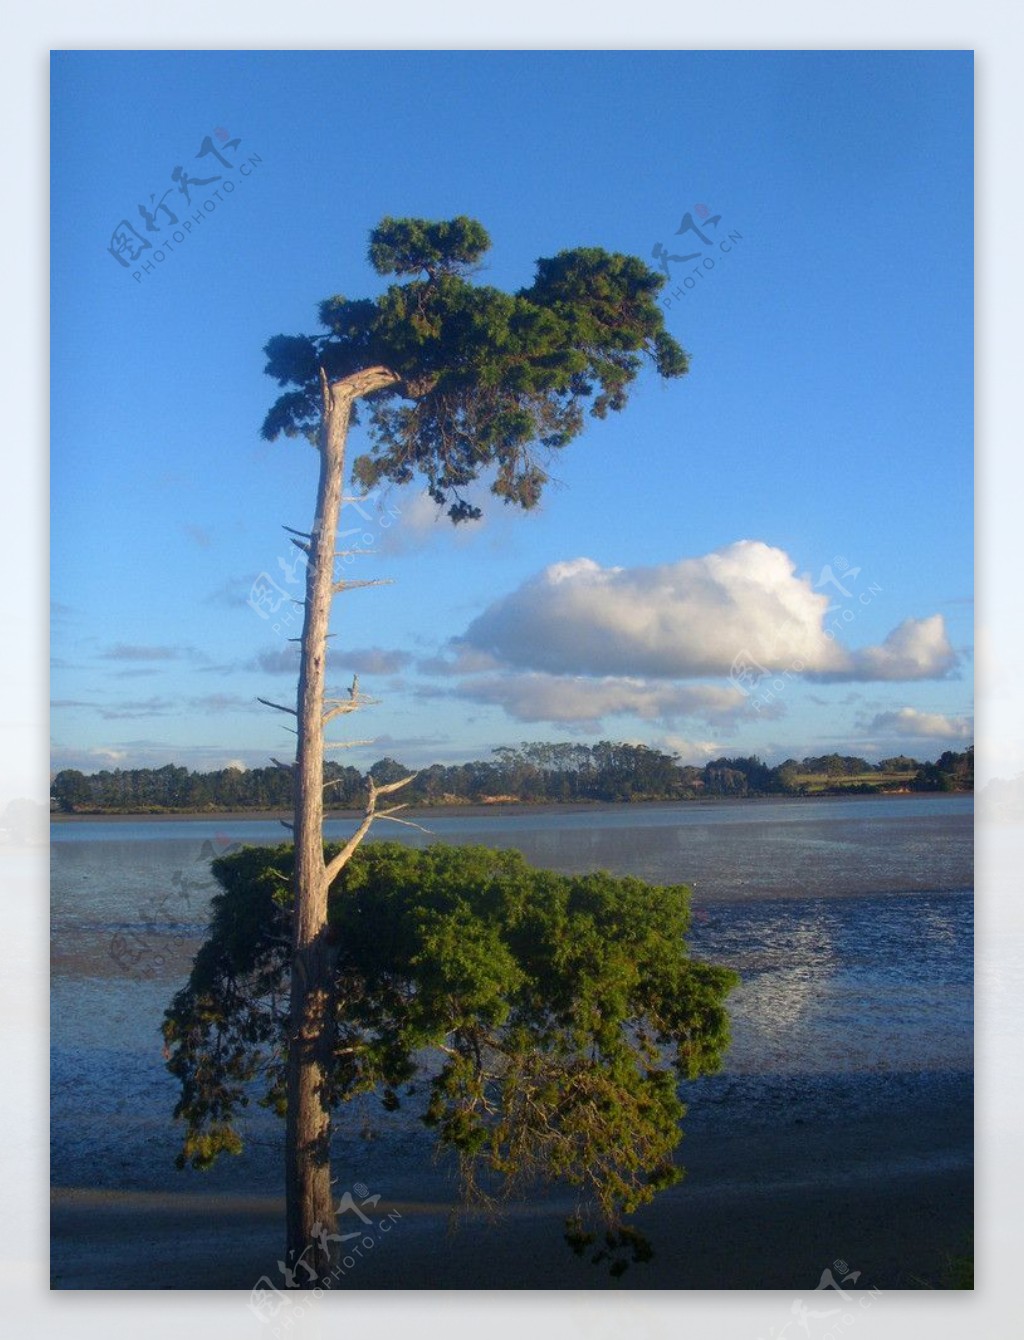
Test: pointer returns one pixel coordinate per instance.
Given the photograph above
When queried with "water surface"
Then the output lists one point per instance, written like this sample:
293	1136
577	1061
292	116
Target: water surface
850	921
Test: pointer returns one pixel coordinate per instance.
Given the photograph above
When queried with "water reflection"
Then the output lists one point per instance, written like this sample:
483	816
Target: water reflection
847	985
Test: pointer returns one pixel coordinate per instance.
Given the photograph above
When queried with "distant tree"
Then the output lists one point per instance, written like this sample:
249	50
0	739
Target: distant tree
950	772
458	381
567	1010
959	766
899	763
787	775
344	788
70	790
930	777
836	765
387	770
722	777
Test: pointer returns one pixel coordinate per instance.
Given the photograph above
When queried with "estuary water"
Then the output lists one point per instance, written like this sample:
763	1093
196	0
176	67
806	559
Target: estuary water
850	921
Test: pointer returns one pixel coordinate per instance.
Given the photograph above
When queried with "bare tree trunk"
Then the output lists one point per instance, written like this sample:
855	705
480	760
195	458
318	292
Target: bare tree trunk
310	1208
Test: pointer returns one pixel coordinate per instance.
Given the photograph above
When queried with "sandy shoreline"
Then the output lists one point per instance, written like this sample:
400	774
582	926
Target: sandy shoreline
900	1236
769	1201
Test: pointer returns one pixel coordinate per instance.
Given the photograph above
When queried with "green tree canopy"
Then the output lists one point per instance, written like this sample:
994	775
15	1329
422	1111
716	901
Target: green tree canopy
486	377
564	1010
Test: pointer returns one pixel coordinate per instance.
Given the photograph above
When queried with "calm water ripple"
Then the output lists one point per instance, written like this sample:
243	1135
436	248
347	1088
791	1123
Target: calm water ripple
851	923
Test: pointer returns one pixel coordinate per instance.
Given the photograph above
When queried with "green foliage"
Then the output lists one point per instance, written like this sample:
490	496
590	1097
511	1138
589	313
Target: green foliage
538	772
174	788
563	1012
409	246
486	377
950	772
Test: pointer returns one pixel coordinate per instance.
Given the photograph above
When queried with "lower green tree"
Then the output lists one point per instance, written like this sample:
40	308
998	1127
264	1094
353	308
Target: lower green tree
562	1013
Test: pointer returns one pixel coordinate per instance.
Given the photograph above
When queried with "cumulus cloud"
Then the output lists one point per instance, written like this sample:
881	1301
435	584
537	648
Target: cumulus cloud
697	617
908	721
917	649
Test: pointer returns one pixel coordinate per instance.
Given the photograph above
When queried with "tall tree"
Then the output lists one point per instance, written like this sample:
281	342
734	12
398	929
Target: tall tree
460	381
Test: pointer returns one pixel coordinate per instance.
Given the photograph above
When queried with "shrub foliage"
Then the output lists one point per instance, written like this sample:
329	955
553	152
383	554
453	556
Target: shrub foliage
562	1013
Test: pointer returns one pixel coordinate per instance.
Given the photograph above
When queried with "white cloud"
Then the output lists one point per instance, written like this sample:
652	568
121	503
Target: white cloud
693	618
690	752
917	649
409	522
584	700
419	514
909	722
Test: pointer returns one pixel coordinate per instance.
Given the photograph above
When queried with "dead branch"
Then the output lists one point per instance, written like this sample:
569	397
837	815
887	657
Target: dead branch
351	586
338	863
279	706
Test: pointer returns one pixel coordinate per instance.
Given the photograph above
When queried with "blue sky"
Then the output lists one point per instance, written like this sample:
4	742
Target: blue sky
772	555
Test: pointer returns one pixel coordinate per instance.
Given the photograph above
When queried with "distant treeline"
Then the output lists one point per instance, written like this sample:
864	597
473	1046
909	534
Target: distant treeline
536	773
